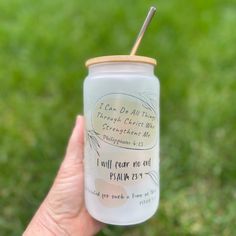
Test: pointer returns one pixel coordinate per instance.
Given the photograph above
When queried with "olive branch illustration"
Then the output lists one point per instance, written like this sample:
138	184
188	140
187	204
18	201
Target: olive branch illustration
93	140
154	176
149	99
147	106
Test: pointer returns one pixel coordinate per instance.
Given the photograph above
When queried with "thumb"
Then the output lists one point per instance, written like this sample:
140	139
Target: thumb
73	161
65	198
66	195
74	150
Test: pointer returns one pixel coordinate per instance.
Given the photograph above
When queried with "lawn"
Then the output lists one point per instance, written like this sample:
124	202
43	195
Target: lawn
43	47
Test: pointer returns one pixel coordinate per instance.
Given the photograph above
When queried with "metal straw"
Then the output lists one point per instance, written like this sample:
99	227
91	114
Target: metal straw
147	21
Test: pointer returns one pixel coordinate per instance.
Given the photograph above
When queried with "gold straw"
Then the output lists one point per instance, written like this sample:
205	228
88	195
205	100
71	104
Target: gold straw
147	21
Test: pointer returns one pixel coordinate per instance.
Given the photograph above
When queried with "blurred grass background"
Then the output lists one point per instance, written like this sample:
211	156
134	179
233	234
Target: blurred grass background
43	47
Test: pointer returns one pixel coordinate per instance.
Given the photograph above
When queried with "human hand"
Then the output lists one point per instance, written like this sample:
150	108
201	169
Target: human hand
63	210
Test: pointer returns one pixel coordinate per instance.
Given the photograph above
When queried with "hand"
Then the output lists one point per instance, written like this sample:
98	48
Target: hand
63	211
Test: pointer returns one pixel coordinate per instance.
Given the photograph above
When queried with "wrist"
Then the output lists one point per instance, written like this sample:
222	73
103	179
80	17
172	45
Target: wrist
44	224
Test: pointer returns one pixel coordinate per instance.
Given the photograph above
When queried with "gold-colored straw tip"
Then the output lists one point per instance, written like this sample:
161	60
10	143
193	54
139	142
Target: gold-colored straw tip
153	8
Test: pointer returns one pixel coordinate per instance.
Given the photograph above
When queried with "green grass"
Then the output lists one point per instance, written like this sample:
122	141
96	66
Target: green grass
43	47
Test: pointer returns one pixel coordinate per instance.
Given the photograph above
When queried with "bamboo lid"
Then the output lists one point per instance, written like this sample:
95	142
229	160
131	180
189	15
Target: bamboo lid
120	58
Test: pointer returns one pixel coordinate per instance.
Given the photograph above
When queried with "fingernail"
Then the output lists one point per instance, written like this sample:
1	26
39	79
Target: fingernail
78	119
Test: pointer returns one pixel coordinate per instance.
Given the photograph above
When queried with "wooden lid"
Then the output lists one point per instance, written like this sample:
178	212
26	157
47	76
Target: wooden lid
120	58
